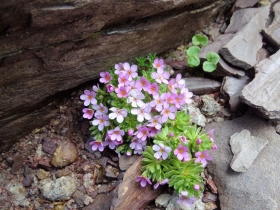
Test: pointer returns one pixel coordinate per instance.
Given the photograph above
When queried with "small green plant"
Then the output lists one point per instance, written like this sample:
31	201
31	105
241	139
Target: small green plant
192	52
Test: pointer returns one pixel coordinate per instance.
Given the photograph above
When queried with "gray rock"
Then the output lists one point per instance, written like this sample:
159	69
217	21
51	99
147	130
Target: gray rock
245	3
240	18
231	88
272	33
111	172
196	116
201	86
59	189
210	107
18	194
242	50
78	197
277	128
125	161
245	148
258	188
173	205
162	200
223	68
100	202
28	179
263	92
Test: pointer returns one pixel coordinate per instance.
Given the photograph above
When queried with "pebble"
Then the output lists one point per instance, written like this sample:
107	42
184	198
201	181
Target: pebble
125	161
17	194
59	189
111	172
49	146
209	197
78	197
65	154
163	200
27	181
63	172
210	106
42	174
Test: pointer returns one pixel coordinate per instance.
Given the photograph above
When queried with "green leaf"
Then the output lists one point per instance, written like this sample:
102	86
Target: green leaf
198	39
208	66
213	57
193	51
170	173
179	184
193	61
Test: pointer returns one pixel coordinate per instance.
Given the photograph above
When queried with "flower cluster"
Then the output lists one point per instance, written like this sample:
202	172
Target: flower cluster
138	109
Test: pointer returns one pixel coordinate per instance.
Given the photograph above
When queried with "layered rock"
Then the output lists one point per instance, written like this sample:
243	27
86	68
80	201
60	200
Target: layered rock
242	49
263	92
51	46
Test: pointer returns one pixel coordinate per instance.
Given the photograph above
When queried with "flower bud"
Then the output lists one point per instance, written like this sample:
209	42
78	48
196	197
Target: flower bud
171	134
110	88
196	187
198	141
128	153
214	147
130	132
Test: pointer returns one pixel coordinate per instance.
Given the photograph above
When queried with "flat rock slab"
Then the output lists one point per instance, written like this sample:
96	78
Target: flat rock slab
272	33
240	18
223	68
231	88
258	187
245	149
264	91
242	50
201	86
130	194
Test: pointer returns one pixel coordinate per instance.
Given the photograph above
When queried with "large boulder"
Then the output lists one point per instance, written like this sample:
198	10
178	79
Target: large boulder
51	46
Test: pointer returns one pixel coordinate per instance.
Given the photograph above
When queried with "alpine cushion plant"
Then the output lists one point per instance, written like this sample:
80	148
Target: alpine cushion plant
138	110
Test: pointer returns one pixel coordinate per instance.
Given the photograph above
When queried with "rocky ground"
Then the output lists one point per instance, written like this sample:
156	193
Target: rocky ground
54	168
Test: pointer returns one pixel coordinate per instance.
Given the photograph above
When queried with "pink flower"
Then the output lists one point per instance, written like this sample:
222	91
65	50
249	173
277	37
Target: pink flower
97	145
101	121
111	143
198	141
143	133
120	114
142	113
110	88
179	100
130	132
168	112
214	147
184	199
133	85
119	68
170	98
88	113
116	134
153	88
165	181
105	77
211	132
182	153
143	83
187	95
155	122
130	70
161	76
161	151
137	144
88	97
121	92
135	99
203	157
158	101
153	131
123	79
95	88
143	181
158	63
100	109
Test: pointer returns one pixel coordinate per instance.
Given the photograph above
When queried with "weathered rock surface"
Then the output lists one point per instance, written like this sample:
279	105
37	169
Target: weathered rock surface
210	107
223	68
65	154
18	193
245	3
258	187
263	92
231	88
59	189
201	86
125	162
196	116
245	149
51	46
272	33
130	195
242	50
240	18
